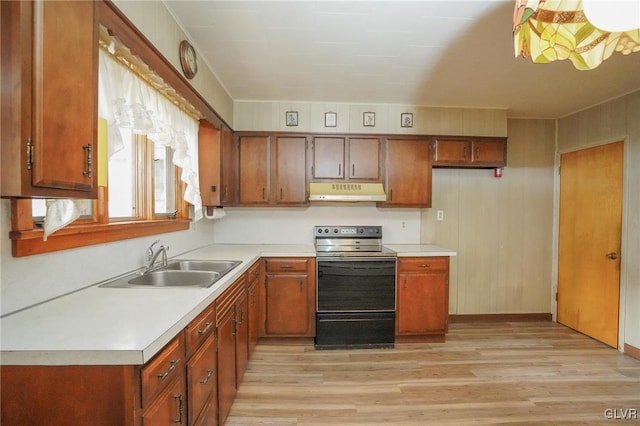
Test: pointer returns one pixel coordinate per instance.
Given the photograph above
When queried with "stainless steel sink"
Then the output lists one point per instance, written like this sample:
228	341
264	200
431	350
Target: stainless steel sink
220	266
165	278
178	273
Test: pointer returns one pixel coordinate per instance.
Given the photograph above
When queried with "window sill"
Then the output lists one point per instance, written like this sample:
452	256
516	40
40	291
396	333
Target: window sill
27	243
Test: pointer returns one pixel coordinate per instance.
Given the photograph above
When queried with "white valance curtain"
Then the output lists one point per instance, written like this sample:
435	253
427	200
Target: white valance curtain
127	101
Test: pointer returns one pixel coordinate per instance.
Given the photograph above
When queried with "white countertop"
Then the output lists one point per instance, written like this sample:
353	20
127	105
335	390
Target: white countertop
430	250
105	326
121	326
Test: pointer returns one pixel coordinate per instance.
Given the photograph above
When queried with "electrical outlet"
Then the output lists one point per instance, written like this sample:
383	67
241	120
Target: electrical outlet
403	224
440	215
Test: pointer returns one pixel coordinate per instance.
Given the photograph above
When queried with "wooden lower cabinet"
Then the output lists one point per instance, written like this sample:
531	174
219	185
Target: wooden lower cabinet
255	294
169	407
232	331
290	292
423	298
202	380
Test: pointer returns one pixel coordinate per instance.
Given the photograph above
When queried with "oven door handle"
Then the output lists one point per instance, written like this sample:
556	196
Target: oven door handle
320	274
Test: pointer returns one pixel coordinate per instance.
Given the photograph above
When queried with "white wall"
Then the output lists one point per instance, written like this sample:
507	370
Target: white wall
25	281
613	121
154	20
295	225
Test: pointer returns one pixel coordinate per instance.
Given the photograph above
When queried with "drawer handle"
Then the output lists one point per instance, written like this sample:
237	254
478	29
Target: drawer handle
174	362
286	267
206	379
206	328
425	265
180	409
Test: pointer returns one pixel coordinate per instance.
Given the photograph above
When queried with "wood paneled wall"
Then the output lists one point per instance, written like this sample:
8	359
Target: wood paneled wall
500	227
612	121
270	116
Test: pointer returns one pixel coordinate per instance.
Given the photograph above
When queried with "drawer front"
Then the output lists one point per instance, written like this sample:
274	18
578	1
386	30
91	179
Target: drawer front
422	264
199	329
286	265
160	371
201	377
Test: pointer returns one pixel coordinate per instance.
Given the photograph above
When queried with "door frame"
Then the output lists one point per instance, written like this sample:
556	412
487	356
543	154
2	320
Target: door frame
623	238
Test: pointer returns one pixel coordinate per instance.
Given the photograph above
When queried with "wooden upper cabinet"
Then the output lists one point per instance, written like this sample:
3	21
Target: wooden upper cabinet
228	168
209	154
290	171
470	152
407	173
338	158
253	170
49	118
328	158
364	159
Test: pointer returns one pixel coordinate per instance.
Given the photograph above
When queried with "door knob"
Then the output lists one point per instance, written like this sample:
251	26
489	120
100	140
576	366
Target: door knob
613	255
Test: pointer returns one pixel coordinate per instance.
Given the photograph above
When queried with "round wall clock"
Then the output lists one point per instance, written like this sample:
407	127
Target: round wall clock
188	59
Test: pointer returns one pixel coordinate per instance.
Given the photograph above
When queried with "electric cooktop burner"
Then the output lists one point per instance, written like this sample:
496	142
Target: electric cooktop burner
350	241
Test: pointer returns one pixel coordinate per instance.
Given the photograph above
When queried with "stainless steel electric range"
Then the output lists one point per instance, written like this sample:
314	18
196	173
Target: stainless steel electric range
356	282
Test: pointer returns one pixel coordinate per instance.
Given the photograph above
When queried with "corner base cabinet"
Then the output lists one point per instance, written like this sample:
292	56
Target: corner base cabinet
423	299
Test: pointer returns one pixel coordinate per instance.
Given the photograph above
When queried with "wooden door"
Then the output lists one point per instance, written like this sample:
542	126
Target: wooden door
254	169
291	168
328	158
364	158
589	241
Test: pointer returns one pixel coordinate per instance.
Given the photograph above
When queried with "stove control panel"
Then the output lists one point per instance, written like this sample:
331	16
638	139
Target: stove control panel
348	231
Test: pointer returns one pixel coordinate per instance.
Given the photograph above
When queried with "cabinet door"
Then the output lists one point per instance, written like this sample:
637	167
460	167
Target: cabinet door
489	152
256	303
328	158
65	84
253	152
229	168
226	364
364	158
242	336
169	407
452	152
287	305
291	168
422	306
209	151
408	173
49	114
201	378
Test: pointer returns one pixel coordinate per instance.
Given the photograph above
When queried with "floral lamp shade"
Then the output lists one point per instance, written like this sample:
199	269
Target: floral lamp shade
554	30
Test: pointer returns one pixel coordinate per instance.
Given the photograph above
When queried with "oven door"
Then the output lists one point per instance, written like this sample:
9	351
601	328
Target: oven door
356	284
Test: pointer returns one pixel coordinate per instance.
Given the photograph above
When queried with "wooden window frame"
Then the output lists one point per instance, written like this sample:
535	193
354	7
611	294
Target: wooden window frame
27	236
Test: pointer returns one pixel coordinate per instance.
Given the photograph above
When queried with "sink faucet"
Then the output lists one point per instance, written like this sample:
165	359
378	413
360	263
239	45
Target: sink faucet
152	256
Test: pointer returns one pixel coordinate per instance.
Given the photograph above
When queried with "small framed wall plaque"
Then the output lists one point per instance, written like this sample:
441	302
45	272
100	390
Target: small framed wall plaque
330	119
291	118
406	119
369	119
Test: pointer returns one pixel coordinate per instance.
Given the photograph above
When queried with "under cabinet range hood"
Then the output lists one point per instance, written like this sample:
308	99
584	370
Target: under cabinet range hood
346	192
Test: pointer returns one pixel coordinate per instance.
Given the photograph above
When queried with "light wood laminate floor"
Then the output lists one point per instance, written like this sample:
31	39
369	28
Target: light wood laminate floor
493	373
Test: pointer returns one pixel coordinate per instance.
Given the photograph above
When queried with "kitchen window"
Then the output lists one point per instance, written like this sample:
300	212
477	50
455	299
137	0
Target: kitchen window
150	145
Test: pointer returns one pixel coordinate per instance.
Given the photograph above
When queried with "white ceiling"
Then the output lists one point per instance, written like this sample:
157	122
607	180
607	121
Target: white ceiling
427	53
